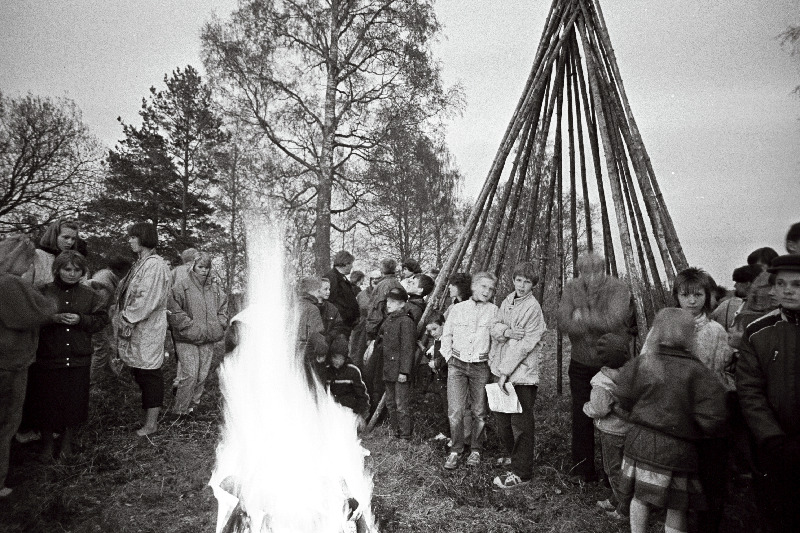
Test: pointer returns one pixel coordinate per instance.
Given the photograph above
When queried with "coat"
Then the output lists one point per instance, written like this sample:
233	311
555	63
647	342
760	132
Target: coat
377	304
63	345
347	387
399	338
311	342
331	322
416	307
606	308
517	359
19	323
142	303
197	310
344	298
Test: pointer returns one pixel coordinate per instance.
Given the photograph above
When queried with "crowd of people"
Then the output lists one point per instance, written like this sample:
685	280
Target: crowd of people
713	390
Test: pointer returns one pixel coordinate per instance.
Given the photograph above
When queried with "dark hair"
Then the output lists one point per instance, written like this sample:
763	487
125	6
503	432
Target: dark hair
412	266
762	255
794	232
720	292
463	283
69	257
343	258
119	264
325	279
388	266
146	233
694	278
746	274
526	270
425	283
339	346
437	317
356	276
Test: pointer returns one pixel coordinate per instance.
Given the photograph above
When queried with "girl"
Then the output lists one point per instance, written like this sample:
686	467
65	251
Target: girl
673	400
60	236
58	388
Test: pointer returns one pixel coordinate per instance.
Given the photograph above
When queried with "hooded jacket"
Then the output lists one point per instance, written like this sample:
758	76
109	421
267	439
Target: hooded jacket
198	310
518	359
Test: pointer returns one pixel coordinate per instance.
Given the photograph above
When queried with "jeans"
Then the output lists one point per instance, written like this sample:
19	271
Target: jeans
613	447
465	384
195	362
517	432
12	396
580	388
398	403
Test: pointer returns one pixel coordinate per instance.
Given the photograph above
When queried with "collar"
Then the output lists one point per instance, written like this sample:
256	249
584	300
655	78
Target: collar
791	316
675	352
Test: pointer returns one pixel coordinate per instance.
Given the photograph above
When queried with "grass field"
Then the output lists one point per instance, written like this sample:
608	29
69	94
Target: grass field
117	483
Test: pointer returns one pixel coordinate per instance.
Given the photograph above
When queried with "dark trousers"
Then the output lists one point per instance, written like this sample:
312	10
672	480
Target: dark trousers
613	447
517	432
712	455
580	388
151	383
398	403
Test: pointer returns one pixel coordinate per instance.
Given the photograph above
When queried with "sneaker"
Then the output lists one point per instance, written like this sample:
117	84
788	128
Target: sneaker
606	505
503	461
30	436
474	458
5	492
452	461
509	480
440	436
616	515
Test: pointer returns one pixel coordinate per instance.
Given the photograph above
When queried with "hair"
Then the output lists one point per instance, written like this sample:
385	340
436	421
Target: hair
146	233
188	255
339	346
69	257
412	266
342	258
672	327
324	279
694	278
526	270
119	264
49	239
720	292
794	232
425	283
437	317
356	276
388	266
762	255
310	284
14	246
590	264
746	274
483	275
201	258
463	282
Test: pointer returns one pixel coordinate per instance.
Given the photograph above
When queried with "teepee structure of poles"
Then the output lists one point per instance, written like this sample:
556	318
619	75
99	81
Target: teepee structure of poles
574	102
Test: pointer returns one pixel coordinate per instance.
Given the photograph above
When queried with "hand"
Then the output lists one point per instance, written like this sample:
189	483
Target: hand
502	384
402	378
432	365
420	346
515	333
66	318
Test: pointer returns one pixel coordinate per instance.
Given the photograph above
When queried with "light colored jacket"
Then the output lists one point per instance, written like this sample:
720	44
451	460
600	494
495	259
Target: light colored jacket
466	334
713	350
601	403
518	359
143	307
197	310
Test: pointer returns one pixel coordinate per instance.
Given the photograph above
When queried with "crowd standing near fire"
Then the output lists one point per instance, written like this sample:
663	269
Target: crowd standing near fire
713	389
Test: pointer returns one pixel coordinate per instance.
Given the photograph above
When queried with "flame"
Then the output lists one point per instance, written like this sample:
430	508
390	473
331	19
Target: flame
289	456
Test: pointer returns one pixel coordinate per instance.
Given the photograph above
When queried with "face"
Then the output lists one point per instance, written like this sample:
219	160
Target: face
740	288
133	242
692	300
393	305
346	269
337	360
787	289
453	291
67	238
435	330
483	290
523	286
793	247
203	269
325	291
70	274
406	273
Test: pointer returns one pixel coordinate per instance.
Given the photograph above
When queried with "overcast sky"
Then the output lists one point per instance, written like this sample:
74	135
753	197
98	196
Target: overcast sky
708	81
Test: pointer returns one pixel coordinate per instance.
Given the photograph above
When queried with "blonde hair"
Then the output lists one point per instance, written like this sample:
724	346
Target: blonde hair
672	327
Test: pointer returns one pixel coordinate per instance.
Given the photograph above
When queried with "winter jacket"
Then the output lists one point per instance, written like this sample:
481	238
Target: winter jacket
673	400
399	338
518	359
344	298
310	330
713	350
768	375
466	334
66	345
198	310
22	311
142	302
606	307
602	399
347	387
377	304
416	307
331	321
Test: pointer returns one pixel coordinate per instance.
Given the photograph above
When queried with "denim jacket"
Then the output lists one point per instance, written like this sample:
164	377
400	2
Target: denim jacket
466	333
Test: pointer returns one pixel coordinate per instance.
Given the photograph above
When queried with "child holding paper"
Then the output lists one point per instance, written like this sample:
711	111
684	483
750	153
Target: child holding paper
514	358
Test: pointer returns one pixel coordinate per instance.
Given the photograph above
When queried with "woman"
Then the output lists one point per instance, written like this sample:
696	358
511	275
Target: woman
60	236
459	290
141	322
197	318
19	332
58	386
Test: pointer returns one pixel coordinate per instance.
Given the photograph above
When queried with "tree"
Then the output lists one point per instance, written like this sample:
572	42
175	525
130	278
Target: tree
791	37
324	81
165	170
49	162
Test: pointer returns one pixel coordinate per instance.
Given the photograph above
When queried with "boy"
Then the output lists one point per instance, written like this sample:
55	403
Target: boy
399	337
418	287
465	347
344	381
514	358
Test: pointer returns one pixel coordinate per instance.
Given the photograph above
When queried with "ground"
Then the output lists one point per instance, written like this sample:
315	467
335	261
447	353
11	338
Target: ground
117	483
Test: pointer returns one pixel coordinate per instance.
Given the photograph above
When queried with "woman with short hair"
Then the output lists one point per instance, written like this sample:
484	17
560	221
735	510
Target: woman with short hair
59	236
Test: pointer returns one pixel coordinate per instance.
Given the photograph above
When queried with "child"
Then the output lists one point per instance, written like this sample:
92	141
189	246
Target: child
399	338
673	400
438	365
612	428
514	358
344	380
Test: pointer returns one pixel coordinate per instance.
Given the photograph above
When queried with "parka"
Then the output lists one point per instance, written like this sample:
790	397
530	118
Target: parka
517	359
197	310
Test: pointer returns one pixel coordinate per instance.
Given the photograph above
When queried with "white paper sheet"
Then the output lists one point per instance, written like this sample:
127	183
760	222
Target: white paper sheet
499	402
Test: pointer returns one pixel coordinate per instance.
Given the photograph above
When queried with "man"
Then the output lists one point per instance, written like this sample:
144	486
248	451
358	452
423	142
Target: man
768	383
342	295
793	239
595	312
409	268
377	302
726	312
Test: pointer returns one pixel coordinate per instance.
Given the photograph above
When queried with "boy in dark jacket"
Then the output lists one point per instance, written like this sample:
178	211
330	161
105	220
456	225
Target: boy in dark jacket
399	340
344	380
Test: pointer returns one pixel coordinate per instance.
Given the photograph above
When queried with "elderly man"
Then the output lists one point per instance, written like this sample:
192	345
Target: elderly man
596	312
768	383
